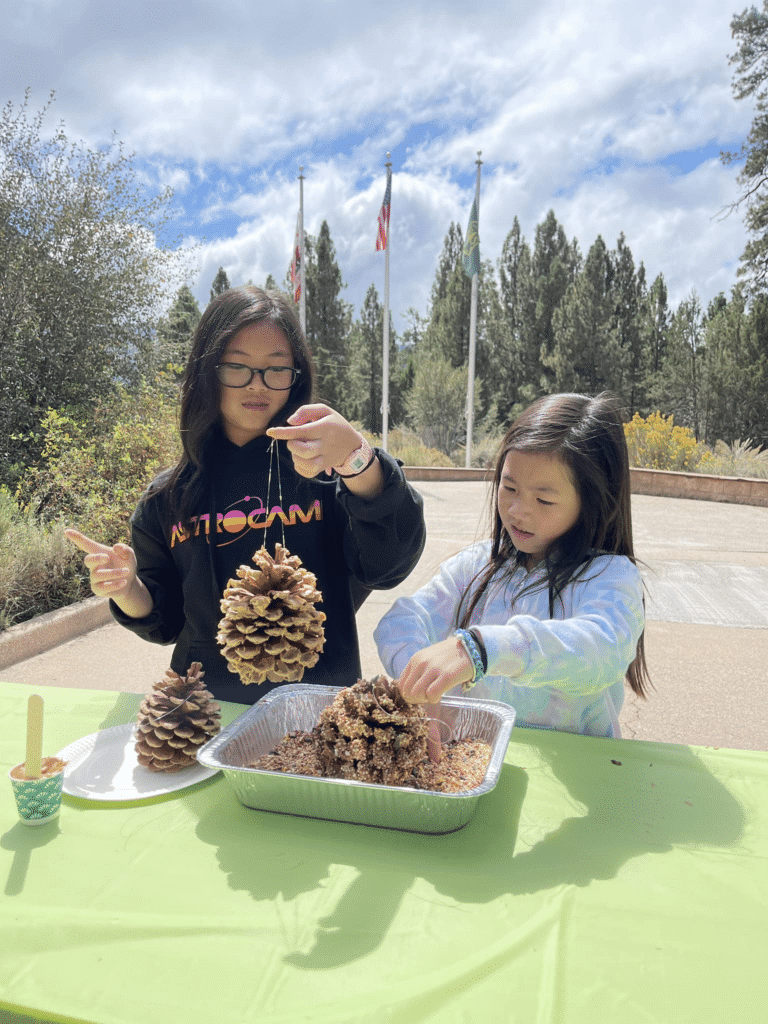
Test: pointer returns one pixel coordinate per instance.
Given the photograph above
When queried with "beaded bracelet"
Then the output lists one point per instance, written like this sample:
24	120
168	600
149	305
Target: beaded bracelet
474	633
468	643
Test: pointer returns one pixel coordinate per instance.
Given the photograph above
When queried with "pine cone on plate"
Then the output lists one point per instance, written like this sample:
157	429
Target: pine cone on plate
176	718
271	629
370	733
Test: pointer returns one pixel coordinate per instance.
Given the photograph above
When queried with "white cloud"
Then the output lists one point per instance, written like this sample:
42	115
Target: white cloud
575	107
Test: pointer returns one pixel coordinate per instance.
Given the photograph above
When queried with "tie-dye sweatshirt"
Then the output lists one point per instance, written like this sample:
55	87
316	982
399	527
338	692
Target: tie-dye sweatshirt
566	672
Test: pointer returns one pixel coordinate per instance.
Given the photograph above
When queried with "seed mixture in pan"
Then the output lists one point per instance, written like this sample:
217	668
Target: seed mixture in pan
371	734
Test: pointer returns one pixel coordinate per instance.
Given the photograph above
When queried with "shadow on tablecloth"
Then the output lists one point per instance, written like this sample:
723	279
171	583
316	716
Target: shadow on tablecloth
589	817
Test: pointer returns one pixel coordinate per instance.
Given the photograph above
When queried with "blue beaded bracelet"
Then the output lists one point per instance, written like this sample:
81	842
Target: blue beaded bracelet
469	645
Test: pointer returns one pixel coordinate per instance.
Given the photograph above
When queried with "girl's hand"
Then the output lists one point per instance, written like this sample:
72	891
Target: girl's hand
113	574
435	670
318	439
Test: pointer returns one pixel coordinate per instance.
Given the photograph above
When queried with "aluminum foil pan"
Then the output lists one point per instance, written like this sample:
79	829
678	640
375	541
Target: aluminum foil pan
298	706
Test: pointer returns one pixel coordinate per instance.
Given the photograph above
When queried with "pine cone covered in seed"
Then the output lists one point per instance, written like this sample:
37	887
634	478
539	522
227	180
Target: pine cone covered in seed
370	733
271	629
176	718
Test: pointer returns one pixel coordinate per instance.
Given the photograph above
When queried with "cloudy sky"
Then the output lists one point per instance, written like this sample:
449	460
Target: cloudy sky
610	112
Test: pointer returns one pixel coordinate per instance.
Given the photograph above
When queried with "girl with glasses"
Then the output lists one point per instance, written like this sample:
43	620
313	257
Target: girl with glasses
261	462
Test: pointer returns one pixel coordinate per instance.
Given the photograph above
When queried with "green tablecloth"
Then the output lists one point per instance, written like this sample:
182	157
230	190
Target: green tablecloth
602	880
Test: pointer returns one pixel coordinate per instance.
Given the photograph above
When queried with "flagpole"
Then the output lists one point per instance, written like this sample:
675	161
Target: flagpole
385	354
472	333
302	275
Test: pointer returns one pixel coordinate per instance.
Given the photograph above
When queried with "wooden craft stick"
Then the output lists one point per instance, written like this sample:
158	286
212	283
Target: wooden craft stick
32	763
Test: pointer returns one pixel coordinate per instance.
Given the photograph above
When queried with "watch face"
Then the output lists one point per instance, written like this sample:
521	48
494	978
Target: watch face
358	461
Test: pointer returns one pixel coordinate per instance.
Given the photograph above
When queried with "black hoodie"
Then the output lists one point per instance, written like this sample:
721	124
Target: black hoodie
353	545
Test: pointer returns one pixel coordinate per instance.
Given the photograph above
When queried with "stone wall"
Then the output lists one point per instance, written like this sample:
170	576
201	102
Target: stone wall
664	483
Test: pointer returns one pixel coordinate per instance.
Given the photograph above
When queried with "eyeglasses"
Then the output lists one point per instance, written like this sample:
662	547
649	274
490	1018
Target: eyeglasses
237	375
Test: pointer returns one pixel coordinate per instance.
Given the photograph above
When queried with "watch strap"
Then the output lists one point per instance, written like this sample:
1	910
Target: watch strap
356	463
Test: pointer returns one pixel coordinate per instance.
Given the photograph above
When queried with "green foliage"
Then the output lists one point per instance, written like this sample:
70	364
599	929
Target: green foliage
220	283
750	29
654	324
447	333
91	473
734	370
437	403
585	355
514	350
39	569
84	268
627	291
175	330
408	447
554	266
365	352
93	470
328	319
741	458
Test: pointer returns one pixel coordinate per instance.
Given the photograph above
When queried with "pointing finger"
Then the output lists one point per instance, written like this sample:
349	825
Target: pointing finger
308	413
85	543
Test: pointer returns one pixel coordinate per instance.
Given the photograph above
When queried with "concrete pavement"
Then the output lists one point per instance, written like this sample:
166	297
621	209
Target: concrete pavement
706	571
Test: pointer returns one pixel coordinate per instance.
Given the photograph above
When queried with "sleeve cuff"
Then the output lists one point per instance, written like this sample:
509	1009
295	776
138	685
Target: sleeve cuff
384	504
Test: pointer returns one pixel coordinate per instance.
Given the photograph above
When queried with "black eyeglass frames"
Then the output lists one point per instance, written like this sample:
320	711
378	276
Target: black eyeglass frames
238	375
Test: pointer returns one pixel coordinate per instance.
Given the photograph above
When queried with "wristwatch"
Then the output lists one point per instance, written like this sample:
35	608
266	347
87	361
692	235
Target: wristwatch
357	463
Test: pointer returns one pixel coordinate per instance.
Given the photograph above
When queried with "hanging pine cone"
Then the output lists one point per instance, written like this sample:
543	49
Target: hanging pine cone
370	733
176	718
271	629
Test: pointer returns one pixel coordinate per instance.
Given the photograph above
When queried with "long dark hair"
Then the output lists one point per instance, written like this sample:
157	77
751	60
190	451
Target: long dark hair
225	315
587	435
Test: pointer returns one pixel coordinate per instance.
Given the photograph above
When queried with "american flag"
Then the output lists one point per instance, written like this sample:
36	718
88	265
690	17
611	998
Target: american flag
383	236
296	263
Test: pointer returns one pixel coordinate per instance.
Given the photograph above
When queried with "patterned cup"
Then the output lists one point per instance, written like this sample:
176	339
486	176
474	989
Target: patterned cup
37	800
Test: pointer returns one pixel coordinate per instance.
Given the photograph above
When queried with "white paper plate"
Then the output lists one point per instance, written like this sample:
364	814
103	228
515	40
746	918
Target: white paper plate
104	766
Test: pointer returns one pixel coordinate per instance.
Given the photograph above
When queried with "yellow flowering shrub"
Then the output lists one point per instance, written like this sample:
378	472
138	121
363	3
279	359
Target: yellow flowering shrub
654	442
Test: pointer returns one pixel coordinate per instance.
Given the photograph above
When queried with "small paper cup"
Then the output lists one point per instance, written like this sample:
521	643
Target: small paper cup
38	801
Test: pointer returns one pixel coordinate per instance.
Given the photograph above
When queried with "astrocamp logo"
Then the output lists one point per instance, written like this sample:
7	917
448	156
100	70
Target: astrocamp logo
233	522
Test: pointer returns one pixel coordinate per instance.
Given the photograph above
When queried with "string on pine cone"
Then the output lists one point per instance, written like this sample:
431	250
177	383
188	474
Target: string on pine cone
175	719
371	733
271	629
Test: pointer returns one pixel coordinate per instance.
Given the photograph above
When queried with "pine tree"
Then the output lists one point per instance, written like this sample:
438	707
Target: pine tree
675	389
328	319
497	360
753	407
750	29
175	330
554	268
722	372
734	371
437	402
627	288
654	324
519	366
220	283
447	334
585	355
365	363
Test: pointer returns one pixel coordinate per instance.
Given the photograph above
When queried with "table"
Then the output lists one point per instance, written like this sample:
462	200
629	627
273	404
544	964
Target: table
601	880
